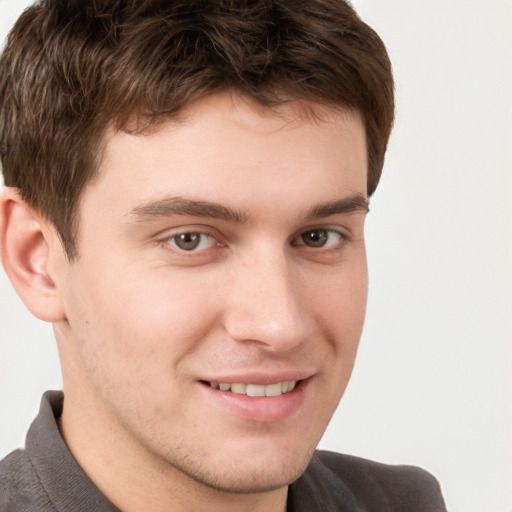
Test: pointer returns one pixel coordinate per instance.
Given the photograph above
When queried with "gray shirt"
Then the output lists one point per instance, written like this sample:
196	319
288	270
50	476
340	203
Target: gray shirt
46	478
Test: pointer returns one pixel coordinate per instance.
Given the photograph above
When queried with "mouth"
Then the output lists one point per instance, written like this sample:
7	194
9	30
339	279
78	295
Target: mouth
255	390
258	399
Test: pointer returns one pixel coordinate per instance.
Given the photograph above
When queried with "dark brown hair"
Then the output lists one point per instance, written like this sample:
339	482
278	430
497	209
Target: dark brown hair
71	68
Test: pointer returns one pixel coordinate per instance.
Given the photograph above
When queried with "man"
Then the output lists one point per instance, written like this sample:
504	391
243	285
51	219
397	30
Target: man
186	189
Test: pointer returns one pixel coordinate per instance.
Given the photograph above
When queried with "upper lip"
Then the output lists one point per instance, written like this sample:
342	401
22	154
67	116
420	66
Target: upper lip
263	379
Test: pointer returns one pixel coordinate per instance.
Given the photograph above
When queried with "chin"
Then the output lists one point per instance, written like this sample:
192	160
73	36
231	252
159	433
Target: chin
248	476
254	481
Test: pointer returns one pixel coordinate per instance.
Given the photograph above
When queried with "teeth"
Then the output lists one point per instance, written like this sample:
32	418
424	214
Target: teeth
254	390
276	389
273	389
239	389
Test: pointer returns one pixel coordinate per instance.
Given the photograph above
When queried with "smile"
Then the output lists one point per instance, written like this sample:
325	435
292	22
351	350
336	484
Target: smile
277	389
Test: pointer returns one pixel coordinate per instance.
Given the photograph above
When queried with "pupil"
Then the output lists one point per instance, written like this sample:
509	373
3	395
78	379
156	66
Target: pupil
316	238
188	241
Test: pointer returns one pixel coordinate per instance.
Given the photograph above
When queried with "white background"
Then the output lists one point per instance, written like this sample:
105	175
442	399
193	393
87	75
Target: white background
432	385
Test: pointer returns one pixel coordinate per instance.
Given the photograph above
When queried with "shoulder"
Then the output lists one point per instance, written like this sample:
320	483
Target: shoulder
369	485
20	488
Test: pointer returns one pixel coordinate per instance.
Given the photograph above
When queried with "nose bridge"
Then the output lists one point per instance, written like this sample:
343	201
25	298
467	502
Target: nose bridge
266	302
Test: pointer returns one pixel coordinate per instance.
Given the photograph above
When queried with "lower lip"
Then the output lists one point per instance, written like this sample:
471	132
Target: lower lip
260	409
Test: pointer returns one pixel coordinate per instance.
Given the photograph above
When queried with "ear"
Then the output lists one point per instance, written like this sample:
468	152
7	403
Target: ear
27	243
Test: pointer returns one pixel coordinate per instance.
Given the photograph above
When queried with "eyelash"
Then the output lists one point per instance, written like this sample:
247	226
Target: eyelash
202	236
342	238
297	240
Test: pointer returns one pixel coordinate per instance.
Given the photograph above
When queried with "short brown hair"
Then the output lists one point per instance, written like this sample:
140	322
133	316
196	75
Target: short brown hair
71	68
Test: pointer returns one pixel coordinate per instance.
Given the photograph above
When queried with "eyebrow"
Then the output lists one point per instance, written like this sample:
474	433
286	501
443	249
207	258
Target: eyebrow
196	208
188	207
350	204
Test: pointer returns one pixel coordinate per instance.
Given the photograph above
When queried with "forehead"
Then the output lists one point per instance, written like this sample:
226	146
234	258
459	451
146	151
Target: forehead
228	146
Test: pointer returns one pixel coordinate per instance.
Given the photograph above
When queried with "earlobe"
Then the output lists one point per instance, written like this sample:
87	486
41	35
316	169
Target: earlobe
26	243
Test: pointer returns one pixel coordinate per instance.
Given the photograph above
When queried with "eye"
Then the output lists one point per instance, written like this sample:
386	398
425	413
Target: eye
318	238
191	241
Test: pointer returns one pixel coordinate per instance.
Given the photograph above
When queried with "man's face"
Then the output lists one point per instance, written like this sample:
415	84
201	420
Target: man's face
223	251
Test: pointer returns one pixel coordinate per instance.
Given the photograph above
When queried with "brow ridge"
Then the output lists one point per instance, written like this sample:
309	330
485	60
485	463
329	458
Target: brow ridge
188	207
345	205
198	208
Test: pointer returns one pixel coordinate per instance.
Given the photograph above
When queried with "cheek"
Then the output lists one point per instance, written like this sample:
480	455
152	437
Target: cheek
341	301
138	324
130	339
340	311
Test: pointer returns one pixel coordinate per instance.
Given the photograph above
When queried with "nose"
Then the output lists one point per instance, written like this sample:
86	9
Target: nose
266	304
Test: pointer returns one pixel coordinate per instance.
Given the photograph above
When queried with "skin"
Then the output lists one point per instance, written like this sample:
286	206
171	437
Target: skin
142	324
